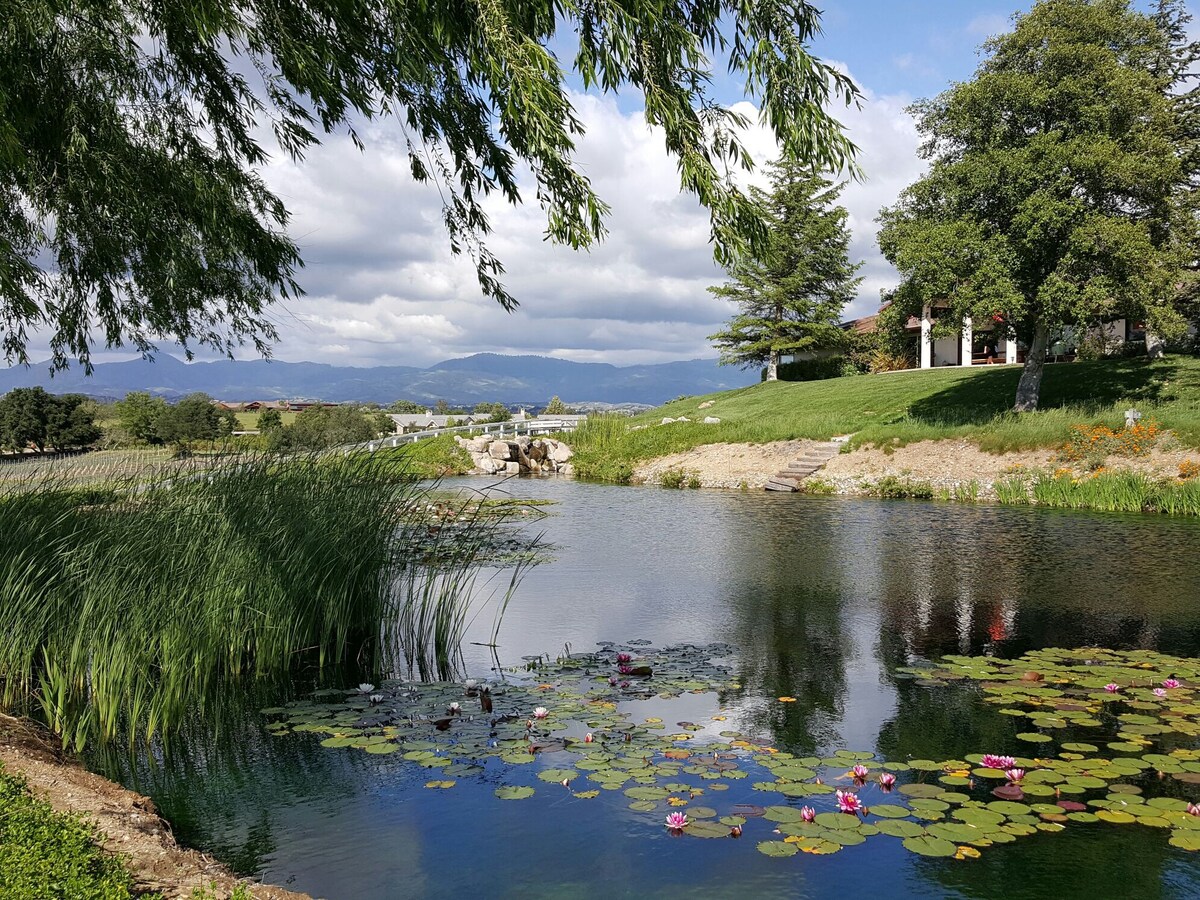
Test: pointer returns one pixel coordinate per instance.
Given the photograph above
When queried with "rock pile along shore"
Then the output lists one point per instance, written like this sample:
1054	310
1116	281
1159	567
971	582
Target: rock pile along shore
520	455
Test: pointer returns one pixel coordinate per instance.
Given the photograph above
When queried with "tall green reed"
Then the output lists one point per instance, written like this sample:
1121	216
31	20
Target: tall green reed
127	610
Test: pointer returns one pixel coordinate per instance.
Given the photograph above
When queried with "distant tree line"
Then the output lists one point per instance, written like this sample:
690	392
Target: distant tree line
147	419
33	418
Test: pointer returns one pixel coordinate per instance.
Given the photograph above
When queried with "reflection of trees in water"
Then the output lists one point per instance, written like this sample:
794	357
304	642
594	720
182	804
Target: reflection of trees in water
787	599
793	646
1122	861
1004	581
941	723
220	780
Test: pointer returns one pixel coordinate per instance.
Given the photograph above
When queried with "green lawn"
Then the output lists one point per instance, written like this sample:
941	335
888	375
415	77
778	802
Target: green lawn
902	407
248	421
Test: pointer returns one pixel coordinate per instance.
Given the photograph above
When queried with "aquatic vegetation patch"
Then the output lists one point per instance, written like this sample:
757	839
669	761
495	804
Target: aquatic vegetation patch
569	726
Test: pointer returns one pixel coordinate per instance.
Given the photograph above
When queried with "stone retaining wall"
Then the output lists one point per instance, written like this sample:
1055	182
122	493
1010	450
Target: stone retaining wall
521	455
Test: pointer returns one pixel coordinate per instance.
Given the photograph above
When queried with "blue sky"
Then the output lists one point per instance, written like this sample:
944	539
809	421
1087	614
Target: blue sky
382	286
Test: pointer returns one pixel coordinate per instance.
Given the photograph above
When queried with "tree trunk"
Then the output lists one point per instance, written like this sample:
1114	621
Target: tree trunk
1154	345
1030	385
773	366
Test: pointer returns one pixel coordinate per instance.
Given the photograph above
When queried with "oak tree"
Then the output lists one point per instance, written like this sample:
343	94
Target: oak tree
1060	183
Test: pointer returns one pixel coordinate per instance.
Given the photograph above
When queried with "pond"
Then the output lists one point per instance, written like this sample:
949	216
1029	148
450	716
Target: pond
826	603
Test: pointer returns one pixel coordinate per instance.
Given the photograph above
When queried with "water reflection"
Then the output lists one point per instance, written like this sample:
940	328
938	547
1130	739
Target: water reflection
824	598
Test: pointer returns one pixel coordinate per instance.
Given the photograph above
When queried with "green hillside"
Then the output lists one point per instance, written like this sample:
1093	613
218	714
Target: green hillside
901	407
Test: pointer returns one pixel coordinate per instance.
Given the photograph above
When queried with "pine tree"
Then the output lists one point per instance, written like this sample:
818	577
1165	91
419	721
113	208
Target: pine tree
791	295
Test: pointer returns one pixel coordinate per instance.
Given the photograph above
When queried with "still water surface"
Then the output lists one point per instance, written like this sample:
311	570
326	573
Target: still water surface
824	599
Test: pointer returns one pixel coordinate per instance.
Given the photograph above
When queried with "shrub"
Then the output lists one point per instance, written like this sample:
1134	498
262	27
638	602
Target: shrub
892	488
672	478
816	369
818	487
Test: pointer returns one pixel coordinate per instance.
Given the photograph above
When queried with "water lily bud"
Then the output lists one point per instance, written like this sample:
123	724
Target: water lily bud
587	738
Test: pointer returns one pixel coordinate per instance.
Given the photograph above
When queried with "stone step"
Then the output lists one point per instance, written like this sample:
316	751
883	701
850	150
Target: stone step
812	460
781	484
794	471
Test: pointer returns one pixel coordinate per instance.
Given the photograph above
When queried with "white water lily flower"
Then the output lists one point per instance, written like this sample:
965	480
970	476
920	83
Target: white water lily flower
376	698
365	688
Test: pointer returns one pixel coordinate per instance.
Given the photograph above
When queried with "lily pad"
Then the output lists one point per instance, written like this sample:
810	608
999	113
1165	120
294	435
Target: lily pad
927	845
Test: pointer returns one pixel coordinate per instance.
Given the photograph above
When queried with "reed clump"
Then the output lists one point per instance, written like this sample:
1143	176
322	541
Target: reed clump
1103	490
127	608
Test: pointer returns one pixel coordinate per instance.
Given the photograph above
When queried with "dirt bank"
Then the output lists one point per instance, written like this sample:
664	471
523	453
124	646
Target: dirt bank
944	464
129	822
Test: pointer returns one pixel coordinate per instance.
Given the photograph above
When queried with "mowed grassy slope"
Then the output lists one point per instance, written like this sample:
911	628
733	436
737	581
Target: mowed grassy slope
902	407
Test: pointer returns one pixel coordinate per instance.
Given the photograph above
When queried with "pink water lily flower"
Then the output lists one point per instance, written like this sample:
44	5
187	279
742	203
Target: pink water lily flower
807	813
1112	687
587	738
1159	692
1014	776
624	658
541	712
887	781
1193	809
848	802
991	761
677	821
1171	683
613	680
860	772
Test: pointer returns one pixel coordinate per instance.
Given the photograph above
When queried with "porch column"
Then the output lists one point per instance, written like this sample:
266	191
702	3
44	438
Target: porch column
968	337
926	342
1010	351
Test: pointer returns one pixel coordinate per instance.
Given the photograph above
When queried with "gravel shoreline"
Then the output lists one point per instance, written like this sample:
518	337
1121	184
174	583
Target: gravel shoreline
945	465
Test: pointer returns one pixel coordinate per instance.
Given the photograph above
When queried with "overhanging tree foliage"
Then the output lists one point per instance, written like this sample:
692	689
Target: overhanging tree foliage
1061	182
131	132
792	291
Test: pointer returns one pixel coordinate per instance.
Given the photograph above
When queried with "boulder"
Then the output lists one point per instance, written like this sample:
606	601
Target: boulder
667	420
473	445
706	404
502	450
560	452
512	468
711	420
488	466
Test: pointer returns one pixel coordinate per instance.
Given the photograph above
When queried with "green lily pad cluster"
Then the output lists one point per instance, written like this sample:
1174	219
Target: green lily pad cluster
543	707
568	725
956	808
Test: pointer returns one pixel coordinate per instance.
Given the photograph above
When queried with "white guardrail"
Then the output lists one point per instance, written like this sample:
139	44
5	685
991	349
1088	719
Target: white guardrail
499	429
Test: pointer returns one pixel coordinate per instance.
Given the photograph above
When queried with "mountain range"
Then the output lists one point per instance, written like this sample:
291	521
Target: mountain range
484	377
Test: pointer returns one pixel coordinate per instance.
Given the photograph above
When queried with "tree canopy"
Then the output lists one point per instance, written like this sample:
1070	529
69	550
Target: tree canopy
132	133
33	417
1061	184
791	293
